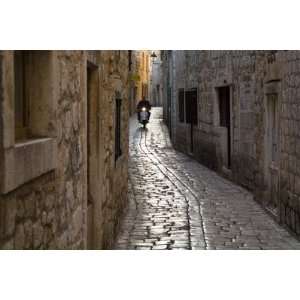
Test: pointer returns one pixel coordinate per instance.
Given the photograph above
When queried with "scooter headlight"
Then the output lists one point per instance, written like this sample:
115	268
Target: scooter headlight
144	109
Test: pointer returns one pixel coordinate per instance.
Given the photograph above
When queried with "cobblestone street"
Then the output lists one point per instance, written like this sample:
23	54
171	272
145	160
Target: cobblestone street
176	203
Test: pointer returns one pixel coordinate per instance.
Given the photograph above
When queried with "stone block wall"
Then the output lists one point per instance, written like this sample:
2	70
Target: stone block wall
113	174
290	141
47	211
50	210
251	76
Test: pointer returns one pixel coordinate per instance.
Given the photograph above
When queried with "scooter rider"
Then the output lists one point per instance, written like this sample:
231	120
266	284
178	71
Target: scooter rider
143	103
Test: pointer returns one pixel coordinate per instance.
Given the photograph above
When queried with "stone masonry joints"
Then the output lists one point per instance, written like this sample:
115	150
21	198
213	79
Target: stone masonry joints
176	203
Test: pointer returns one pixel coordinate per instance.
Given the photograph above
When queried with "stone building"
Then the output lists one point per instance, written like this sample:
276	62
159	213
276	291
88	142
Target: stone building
155	80
238	112
63	148
139	77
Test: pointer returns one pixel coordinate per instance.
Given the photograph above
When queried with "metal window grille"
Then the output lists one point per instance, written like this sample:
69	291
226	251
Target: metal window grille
118	150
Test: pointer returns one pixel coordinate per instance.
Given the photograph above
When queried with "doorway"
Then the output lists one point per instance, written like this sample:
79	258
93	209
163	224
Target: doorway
272	155
191	108
134	99
157	96
92	149
225	122
169	110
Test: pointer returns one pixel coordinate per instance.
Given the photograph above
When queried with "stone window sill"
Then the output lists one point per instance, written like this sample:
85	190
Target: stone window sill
27	160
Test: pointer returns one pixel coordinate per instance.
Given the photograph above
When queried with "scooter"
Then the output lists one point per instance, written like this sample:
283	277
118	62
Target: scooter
144	116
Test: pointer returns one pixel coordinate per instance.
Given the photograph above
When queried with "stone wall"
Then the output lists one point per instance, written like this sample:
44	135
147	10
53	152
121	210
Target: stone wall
48	211
139	76
251	77
113	174
155	81
290	140
51	210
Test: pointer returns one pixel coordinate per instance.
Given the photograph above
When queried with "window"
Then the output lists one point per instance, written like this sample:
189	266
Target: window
31	147
118	150
129	60
191	106
118	55
181	105
21	95
33	94
224	106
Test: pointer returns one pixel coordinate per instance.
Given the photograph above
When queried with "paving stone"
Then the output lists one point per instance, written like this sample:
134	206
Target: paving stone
160	247
179	204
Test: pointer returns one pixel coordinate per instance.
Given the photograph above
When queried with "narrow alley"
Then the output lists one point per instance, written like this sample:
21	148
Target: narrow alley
216	167
176	203
127	127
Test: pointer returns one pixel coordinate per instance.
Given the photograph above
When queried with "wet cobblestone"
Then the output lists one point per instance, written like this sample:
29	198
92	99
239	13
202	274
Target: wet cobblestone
176	203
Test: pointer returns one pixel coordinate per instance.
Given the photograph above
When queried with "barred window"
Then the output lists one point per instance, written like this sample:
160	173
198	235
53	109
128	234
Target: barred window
118	150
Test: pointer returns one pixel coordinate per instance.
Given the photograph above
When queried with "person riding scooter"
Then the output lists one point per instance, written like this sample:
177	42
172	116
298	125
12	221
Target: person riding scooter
143	111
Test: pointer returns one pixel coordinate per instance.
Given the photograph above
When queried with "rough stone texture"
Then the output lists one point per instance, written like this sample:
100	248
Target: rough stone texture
251	75
139	77
155	96
50	211
177	203
1	122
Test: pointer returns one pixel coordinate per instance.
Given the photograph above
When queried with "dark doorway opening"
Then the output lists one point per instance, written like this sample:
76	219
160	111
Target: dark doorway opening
272	156
225	118
191	109
181	105
169	116
118	111
92	149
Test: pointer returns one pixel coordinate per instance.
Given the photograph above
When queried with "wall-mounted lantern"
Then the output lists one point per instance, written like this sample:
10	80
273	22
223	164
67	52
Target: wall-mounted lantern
153	56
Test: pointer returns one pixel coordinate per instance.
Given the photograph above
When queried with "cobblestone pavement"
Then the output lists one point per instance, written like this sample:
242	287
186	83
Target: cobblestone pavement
176	203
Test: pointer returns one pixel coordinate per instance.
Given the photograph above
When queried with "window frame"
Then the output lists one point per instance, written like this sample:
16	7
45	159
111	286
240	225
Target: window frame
21	99
18	164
